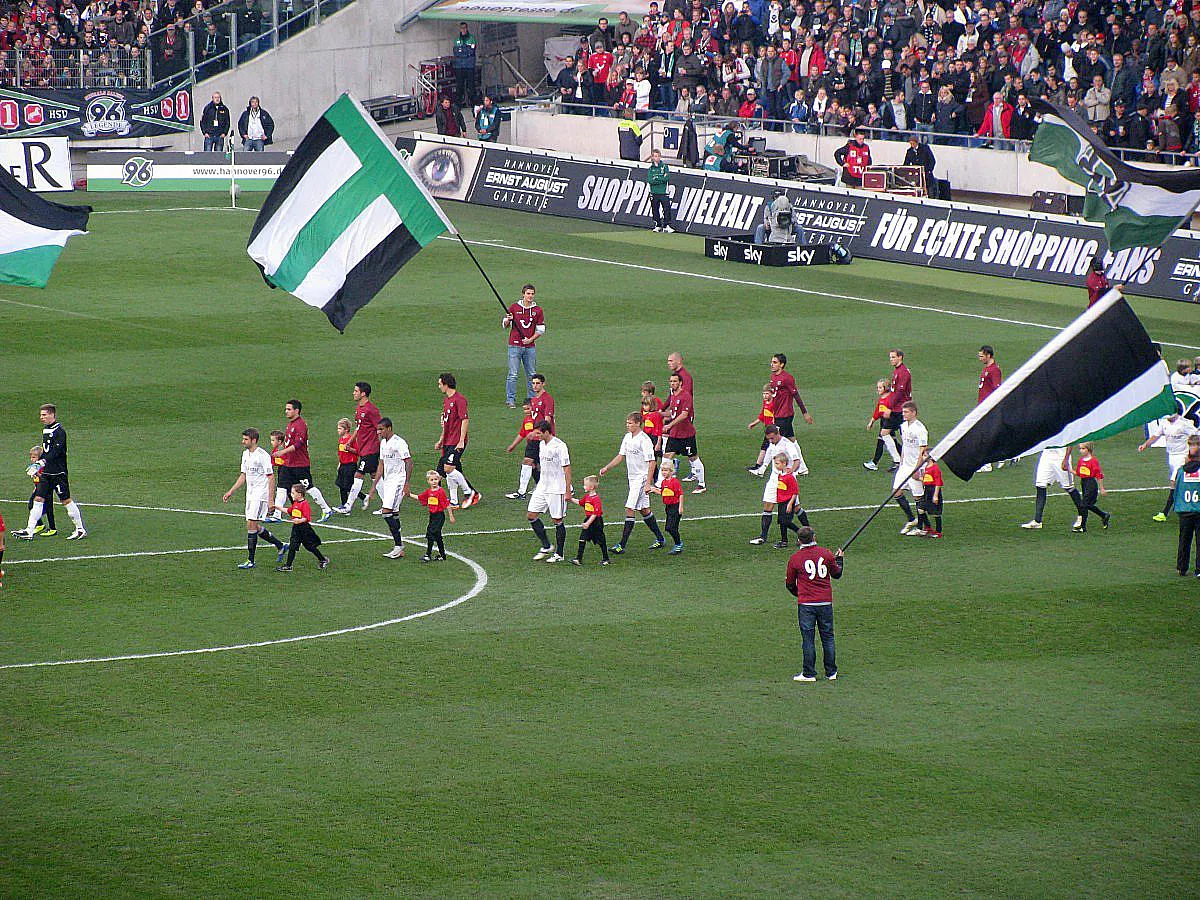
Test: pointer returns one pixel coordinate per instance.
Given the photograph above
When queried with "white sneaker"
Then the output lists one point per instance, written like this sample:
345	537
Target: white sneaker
803	677
656	229
669	230
554	558
1032	525
78	534
395	553
801	472
832	677
700	489
986	467
870	466
378	512
542	554
908	527
757	541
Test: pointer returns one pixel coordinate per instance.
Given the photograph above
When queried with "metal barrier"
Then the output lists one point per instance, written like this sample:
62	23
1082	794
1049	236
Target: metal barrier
228	34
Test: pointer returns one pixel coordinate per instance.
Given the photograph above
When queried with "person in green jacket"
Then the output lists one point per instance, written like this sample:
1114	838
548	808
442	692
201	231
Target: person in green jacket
660	201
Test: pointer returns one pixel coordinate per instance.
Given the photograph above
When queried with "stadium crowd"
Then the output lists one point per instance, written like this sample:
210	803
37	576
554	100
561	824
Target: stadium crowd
964	71
126	43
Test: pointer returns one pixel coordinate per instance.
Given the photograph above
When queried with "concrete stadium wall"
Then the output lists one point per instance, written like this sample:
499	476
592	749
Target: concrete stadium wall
977	170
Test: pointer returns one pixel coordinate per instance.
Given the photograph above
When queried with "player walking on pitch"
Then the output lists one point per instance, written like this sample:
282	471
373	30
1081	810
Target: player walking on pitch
1054	467
396	469
365	440
681	430
637	451
52	479
551	494
914	450
258	475
297	464
453	442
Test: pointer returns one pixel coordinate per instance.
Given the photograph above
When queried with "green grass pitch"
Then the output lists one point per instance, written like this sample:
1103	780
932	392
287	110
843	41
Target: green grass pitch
1017	712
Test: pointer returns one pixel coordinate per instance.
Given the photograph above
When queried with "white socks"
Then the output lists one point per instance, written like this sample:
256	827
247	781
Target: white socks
698	470
281	497
526	477
35	514
889	442
456	480
74	513
354	489
801	469
315	493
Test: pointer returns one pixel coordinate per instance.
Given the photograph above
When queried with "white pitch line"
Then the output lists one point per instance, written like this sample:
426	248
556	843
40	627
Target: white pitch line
740	282
481	582
117	212
140	553
83	315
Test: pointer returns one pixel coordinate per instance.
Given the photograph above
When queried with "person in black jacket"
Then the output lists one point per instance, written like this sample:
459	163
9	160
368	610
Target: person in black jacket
449	119
214	123
948	117
1023	122
255	126
920	154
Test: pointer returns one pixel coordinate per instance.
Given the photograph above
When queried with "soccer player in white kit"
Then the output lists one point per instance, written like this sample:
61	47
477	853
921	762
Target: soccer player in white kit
396	463
638	452
1054	467
777	444
1174	432
914	450
258	474
550	495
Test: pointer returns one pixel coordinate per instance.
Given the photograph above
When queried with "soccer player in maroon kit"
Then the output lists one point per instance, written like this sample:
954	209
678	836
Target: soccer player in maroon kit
784	397
808	580
453	442
541	409
989	380
296	468
365	440
675	366
681	432
529	463
526	323
900	392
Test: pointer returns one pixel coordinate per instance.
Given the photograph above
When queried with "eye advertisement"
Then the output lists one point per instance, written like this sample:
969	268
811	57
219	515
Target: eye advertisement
446	170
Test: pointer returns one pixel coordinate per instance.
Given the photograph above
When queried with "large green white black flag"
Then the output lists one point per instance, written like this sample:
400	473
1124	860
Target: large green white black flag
33	232
344	216
1098	377
1139	207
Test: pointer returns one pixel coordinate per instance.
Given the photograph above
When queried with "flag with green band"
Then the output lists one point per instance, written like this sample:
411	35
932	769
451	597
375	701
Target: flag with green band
33	232
344	216
1139	207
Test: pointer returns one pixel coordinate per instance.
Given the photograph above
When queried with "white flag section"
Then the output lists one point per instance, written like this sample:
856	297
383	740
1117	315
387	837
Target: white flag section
344	216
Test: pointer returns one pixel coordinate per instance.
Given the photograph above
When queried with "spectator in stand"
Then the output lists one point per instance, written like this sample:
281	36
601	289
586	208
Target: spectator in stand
948	116
214	123
1116	129
897	115
751	108
464	65
255	126
487	120
449	118
997	119
924	107
1097	102
211	50
604	35
798	113
568	85
1024	124
600	66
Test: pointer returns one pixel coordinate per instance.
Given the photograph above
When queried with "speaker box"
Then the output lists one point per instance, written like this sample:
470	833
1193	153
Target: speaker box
1048	202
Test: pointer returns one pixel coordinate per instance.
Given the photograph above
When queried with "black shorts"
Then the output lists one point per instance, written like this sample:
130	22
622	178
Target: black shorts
345	476
368	464
892	422
305	535
926	502
52	485
451	456
533	450
684	446
289	475
784	423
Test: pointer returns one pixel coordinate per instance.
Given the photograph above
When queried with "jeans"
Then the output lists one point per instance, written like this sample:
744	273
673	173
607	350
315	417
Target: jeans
518	357
214	143
813	618
256	144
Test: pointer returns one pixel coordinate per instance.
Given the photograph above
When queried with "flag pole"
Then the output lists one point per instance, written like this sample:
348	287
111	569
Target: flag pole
495	292
890	497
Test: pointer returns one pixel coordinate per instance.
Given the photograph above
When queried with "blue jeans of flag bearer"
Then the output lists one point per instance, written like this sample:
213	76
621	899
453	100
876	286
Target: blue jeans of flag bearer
813	617
518	358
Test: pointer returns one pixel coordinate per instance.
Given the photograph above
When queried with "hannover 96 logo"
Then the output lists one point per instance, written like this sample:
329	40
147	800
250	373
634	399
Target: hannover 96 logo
1103	180
137	171
1188	401
104	114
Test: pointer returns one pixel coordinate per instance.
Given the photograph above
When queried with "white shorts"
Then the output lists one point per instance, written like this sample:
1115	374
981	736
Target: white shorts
1050	472
391	493
1175	462
543	502
256	509
913	485
637	498
771	488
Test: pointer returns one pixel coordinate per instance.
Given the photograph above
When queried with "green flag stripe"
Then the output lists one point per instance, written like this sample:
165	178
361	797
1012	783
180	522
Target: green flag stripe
418	215
29	267
1125	228
1162	404
381	174
1057	145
